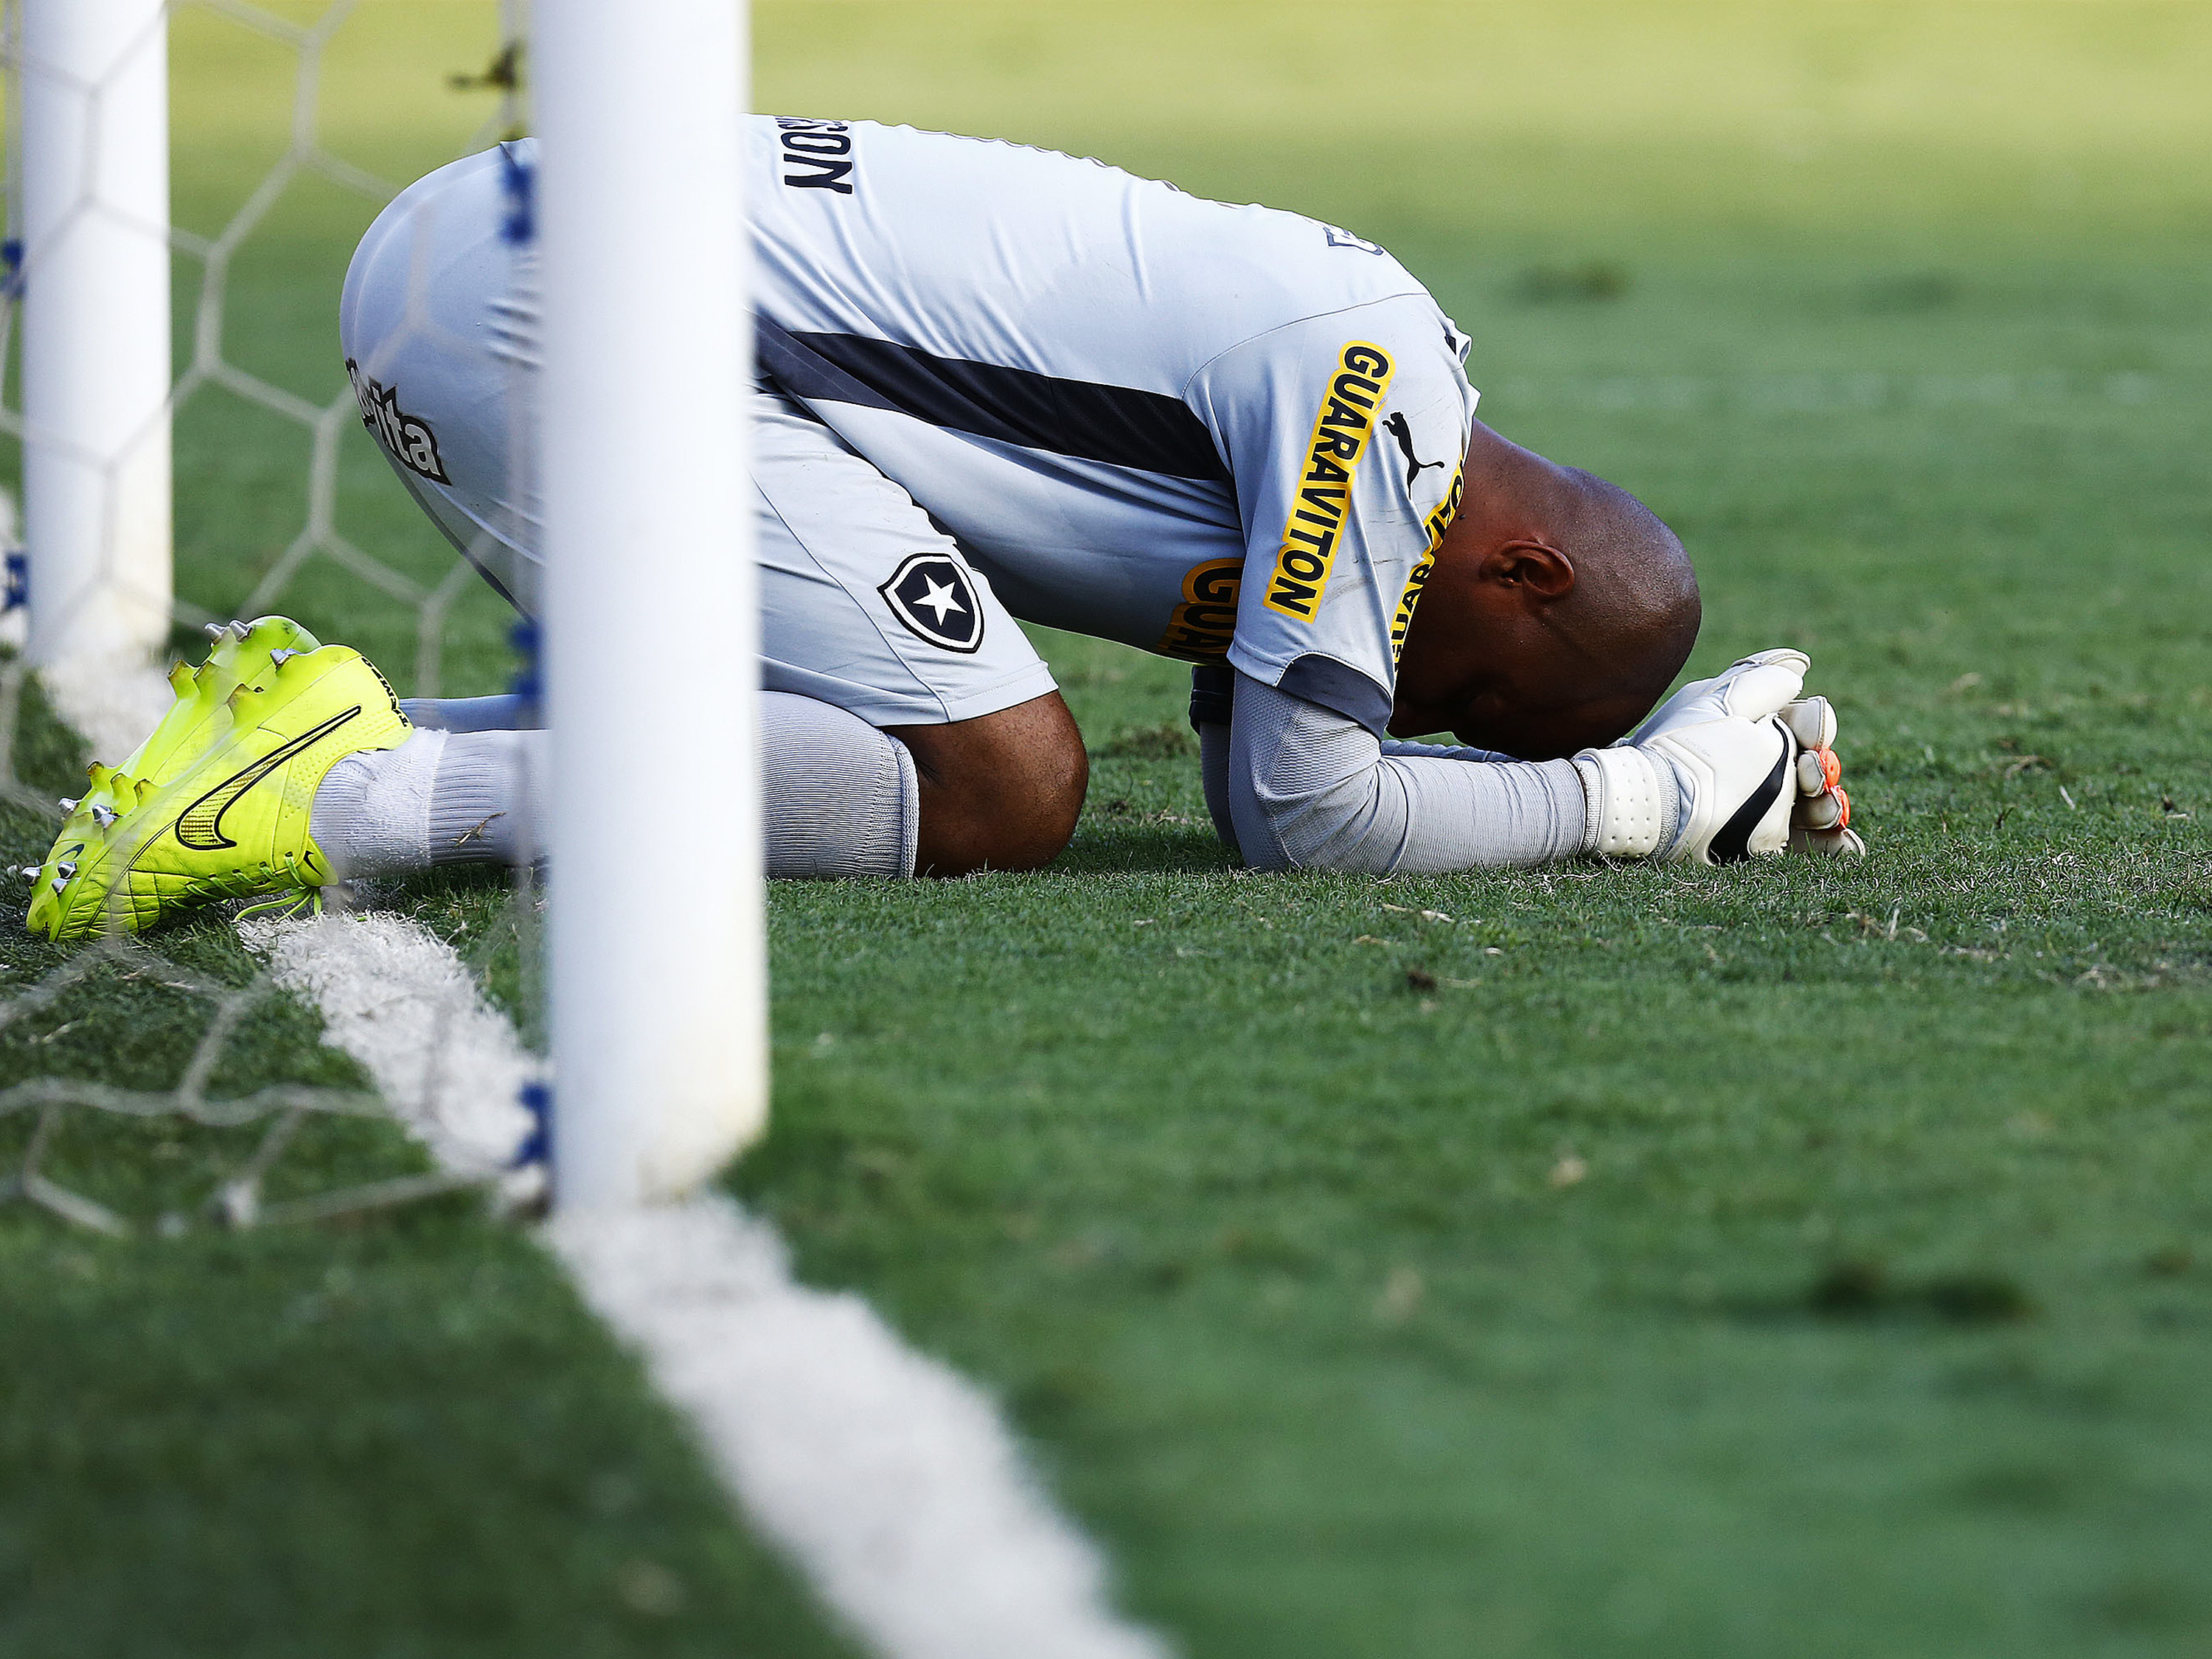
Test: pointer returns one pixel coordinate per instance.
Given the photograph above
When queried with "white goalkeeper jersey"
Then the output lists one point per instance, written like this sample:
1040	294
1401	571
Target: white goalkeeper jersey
1205	430
1199	428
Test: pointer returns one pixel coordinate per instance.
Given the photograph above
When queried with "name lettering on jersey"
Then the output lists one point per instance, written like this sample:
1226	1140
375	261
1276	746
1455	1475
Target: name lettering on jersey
1346	422
817	155
408	437
1438	522
1204	621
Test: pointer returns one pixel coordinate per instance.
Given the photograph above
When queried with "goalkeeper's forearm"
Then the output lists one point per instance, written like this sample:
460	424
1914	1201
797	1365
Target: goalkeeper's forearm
1210	720
1308	789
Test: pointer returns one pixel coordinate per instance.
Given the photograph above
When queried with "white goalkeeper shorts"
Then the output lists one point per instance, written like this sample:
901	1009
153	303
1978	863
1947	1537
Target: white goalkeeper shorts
865	603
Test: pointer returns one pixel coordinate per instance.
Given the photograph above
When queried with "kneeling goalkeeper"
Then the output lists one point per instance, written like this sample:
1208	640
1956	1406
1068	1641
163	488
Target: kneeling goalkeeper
996	382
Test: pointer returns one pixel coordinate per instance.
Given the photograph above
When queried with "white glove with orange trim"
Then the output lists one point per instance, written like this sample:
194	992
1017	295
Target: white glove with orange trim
1753	765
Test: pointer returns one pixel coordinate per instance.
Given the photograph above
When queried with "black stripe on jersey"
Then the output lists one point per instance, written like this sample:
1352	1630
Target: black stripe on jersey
1116	424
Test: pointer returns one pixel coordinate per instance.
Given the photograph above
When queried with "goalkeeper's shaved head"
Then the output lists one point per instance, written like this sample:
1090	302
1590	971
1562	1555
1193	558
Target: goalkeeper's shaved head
1634	606
1560	609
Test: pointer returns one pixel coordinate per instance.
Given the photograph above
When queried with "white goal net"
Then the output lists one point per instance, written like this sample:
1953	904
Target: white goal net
182	1078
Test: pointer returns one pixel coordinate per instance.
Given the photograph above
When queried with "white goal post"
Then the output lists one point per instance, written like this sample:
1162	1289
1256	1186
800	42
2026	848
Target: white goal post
657	960
94	81
655	952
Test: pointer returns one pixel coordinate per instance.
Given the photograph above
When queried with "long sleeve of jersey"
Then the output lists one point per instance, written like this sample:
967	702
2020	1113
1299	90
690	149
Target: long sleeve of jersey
1345	433
1306	787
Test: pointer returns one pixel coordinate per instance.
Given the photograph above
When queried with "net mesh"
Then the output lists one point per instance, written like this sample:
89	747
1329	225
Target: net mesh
178	1080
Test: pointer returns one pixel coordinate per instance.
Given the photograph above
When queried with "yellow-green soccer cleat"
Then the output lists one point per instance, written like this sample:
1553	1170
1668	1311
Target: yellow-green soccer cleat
232	822
240	650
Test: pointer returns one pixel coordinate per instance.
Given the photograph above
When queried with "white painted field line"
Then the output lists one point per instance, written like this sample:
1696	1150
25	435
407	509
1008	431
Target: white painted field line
399	999
881	1472
890	1480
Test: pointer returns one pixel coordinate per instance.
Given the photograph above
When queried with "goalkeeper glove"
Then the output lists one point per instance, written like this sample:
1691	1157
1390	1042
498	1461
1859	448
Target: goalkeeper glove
1718	792
1762	684
1768	683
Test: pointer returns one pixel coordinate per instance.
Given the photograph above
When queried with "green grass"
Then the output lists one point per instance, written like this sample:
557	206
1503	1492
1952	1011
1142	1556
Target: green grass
1784	1260
394	1435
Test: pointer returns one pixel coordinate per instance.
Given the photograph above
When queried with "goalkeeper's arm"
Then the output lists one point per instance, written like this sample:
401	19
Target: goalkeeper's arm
1296	786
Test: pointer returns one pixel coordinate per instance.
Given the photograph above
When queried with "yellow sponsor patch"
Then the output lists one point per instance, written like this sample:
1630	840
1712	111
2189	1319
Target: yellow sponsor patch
1438	522
1341	429
1204	620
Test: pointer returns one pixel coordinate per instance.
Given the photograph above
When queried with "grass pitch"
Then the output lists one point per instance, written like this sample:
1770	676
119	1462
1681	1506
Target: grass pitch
1579	1262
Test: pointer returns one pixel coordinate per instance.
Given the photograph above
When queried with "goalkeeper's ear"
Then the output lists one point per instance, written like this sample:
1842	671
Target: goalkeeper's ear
1526	572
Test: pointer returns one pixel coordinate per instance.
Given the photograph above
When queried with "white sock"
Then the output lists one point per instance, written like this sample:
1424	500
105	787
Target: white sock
439	797
839	798
372	814
489	802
